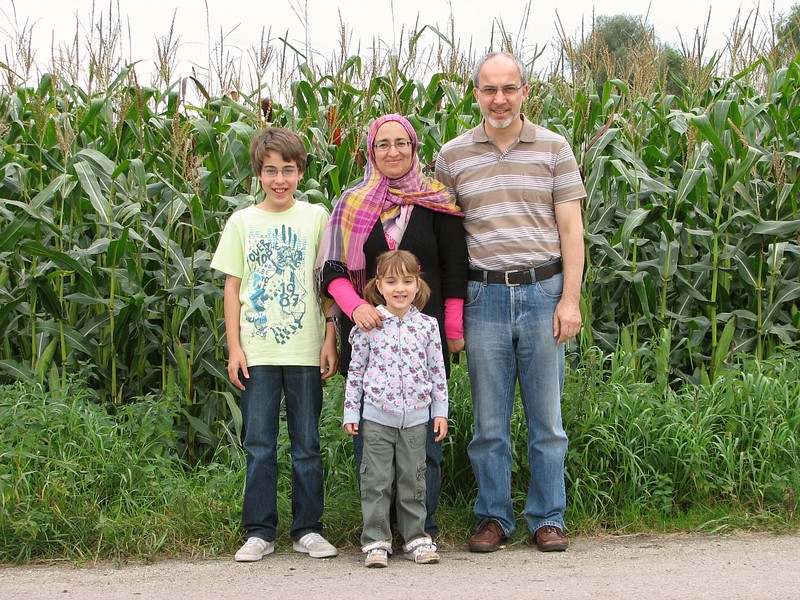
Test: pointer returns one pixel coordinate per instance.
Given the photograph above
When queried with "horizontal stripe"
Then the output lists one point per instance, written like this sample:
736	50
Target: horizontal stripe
509	198
512	235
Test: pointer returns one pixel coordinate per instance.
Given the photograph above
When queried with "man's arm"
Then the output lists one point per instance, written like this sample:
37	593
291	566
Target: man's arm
567	316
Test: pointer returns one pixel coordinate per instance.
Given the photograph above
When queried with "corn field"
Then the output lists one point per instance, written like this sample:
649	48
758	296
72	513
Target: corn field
112	199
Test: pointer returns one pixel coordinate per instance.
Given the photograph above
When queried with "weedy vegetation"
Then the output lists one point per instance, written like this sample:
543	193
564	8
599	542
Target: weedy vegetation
119	433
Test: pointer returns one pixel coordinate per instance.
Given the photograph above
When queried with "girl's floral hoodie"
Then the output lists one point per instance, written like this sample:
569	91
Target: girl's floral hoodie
397	371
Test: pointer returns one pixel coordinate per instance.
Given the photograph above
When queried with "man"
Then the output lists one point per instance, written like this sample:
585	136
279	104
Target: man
520	189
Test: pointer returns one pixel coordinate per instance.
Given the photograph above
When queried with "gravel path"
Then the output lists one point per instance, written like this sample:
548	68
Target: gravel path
746	566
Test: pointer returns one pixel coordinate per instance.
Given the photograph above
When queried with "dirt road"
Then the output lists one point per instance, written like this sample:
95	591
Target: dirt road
741	566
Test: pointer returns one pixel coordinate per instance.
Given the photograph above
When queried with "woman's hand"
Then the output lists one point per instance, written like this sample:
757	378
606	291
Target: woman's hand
366	317
455	346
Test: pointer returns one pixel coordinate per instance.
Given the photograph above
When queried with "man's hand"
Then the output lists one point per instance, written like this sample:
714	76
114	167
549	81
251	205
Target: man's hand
566	321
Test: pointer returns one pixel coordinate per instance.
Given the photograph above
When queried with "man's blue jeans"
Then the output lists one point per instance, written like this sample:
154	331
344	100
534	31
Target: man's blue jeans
261	403
509	337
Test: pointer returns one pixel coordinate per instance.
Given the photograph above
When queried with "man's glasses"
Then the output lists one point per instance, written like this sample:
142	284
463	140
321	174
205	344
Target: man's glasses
285	171
383	145
508	90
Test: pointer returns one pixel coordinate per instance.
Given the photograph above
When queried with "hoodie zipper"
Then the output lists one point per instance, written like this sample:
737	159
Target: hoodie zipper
400	373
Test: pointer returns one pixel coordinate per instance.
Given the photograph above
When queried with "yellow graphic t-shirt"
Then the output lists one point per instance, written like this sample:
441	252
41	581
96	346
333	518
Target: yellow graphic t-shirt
281	321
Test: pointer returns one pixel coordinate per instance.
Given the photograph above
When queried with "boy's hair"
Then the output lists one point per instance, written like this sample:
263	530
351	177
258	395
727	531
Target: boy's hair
276	139
402	263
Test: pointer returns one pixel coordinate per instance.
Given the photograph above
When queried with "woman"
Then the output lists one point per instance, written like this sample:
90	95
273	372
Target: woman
396	206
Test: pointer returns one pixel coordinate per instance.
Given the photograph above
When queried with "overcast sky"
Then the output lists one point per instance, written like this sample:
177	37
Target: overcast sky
202	23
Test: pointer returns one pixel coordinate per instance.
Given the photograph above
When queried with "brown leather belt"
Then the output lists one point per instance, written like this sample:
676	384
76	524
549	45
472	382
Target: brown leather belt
512	278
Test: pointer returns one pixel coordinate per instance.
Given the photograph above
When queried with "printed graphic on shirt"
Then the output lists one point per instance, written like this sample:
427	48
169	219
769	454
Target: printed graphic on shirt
276	294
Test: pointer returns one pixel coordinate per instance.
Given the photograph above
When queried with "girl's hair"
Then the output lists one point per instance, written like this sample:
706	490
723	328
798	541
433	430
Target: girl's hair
400	263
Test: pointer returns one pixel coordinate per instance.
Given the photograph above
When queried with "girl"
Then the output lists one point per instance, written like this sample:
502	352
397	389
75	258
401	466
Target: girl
397	371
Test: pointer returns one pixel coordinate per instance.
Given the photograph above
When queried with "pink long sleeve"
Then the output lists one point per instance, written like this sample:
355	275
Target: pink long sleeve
342	290
454	318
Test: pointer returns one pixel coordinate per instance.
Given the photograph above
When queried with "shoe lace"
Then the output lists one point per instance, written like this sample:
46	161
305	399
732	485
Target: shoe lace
425	549
315	537
493	525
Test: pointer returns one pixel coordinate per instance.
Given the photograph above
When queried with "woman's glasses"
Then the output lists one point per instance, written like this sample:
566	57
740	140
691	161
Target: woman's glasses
384	145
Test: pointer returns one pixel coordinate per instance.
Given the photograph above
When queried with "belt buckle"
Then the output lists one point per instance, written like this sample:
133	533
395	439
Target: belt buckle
506	281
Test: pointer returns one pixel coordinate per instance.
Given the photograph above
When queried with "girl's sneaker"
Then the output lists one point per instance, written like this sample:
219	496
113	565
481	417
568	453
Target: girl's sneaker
421	551
377	557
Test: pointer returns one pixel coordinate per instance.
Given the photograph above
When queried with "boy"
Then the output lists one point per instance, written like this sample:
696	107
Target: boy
275	329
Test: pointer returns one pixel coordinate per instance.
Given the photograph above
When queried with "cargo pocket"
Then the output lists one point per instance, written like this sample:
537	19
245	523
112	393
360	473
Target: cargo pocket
419	489
417	437
361	473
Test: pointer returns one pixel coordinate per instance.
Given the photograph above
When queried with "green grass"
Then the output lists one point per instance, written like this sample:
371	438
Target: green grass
113	196
81	480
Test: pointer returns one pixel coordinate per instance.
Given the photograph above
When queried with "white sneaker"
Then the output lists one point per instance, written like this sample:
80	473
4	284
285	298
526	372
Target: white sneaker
377	557
254	549
423	555
315	546
421	551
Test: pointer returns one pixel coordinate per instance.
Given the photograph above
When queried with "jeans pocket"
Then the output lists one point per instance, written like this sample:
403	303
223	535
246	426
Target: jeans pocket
552	287
474	291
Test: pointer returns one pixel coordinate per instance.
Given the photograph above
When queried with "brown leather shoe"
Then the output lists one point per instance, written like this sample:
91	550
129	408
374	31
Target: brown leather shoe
488	538
551	539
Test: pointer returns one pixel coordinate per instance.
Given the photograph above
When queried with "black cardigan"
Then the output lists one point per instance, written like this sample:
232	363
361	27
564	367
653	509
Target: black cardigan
438	242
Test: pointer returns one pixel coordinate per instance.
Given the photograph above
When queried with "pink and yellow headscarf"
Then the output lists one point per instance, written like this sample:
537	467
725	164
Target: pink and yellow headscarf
360	207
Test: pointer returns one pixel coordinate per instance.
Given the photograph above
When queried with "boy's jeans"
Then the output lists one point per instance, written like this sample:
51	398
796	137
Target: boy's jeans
509	335
392	458
261	402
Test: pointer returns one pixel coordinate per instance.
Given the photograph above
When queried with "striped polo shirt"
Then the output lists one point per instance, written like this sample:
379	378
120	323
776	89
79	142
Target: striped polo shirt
508	198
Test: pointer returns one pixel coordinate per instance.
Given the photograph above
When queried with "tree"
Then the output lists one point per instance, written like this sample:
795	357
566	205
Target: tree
787	30
626	47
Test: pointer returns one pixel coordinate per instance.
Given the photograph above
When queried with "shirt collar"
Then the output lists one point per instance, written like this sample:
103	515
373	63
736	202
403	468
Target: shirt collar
390	315
528	132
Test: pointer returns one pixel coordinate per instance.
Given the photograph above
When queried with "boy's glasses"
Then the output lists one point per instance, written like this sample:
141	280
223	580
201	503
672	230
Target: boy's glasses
285	171
383	145
490	91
